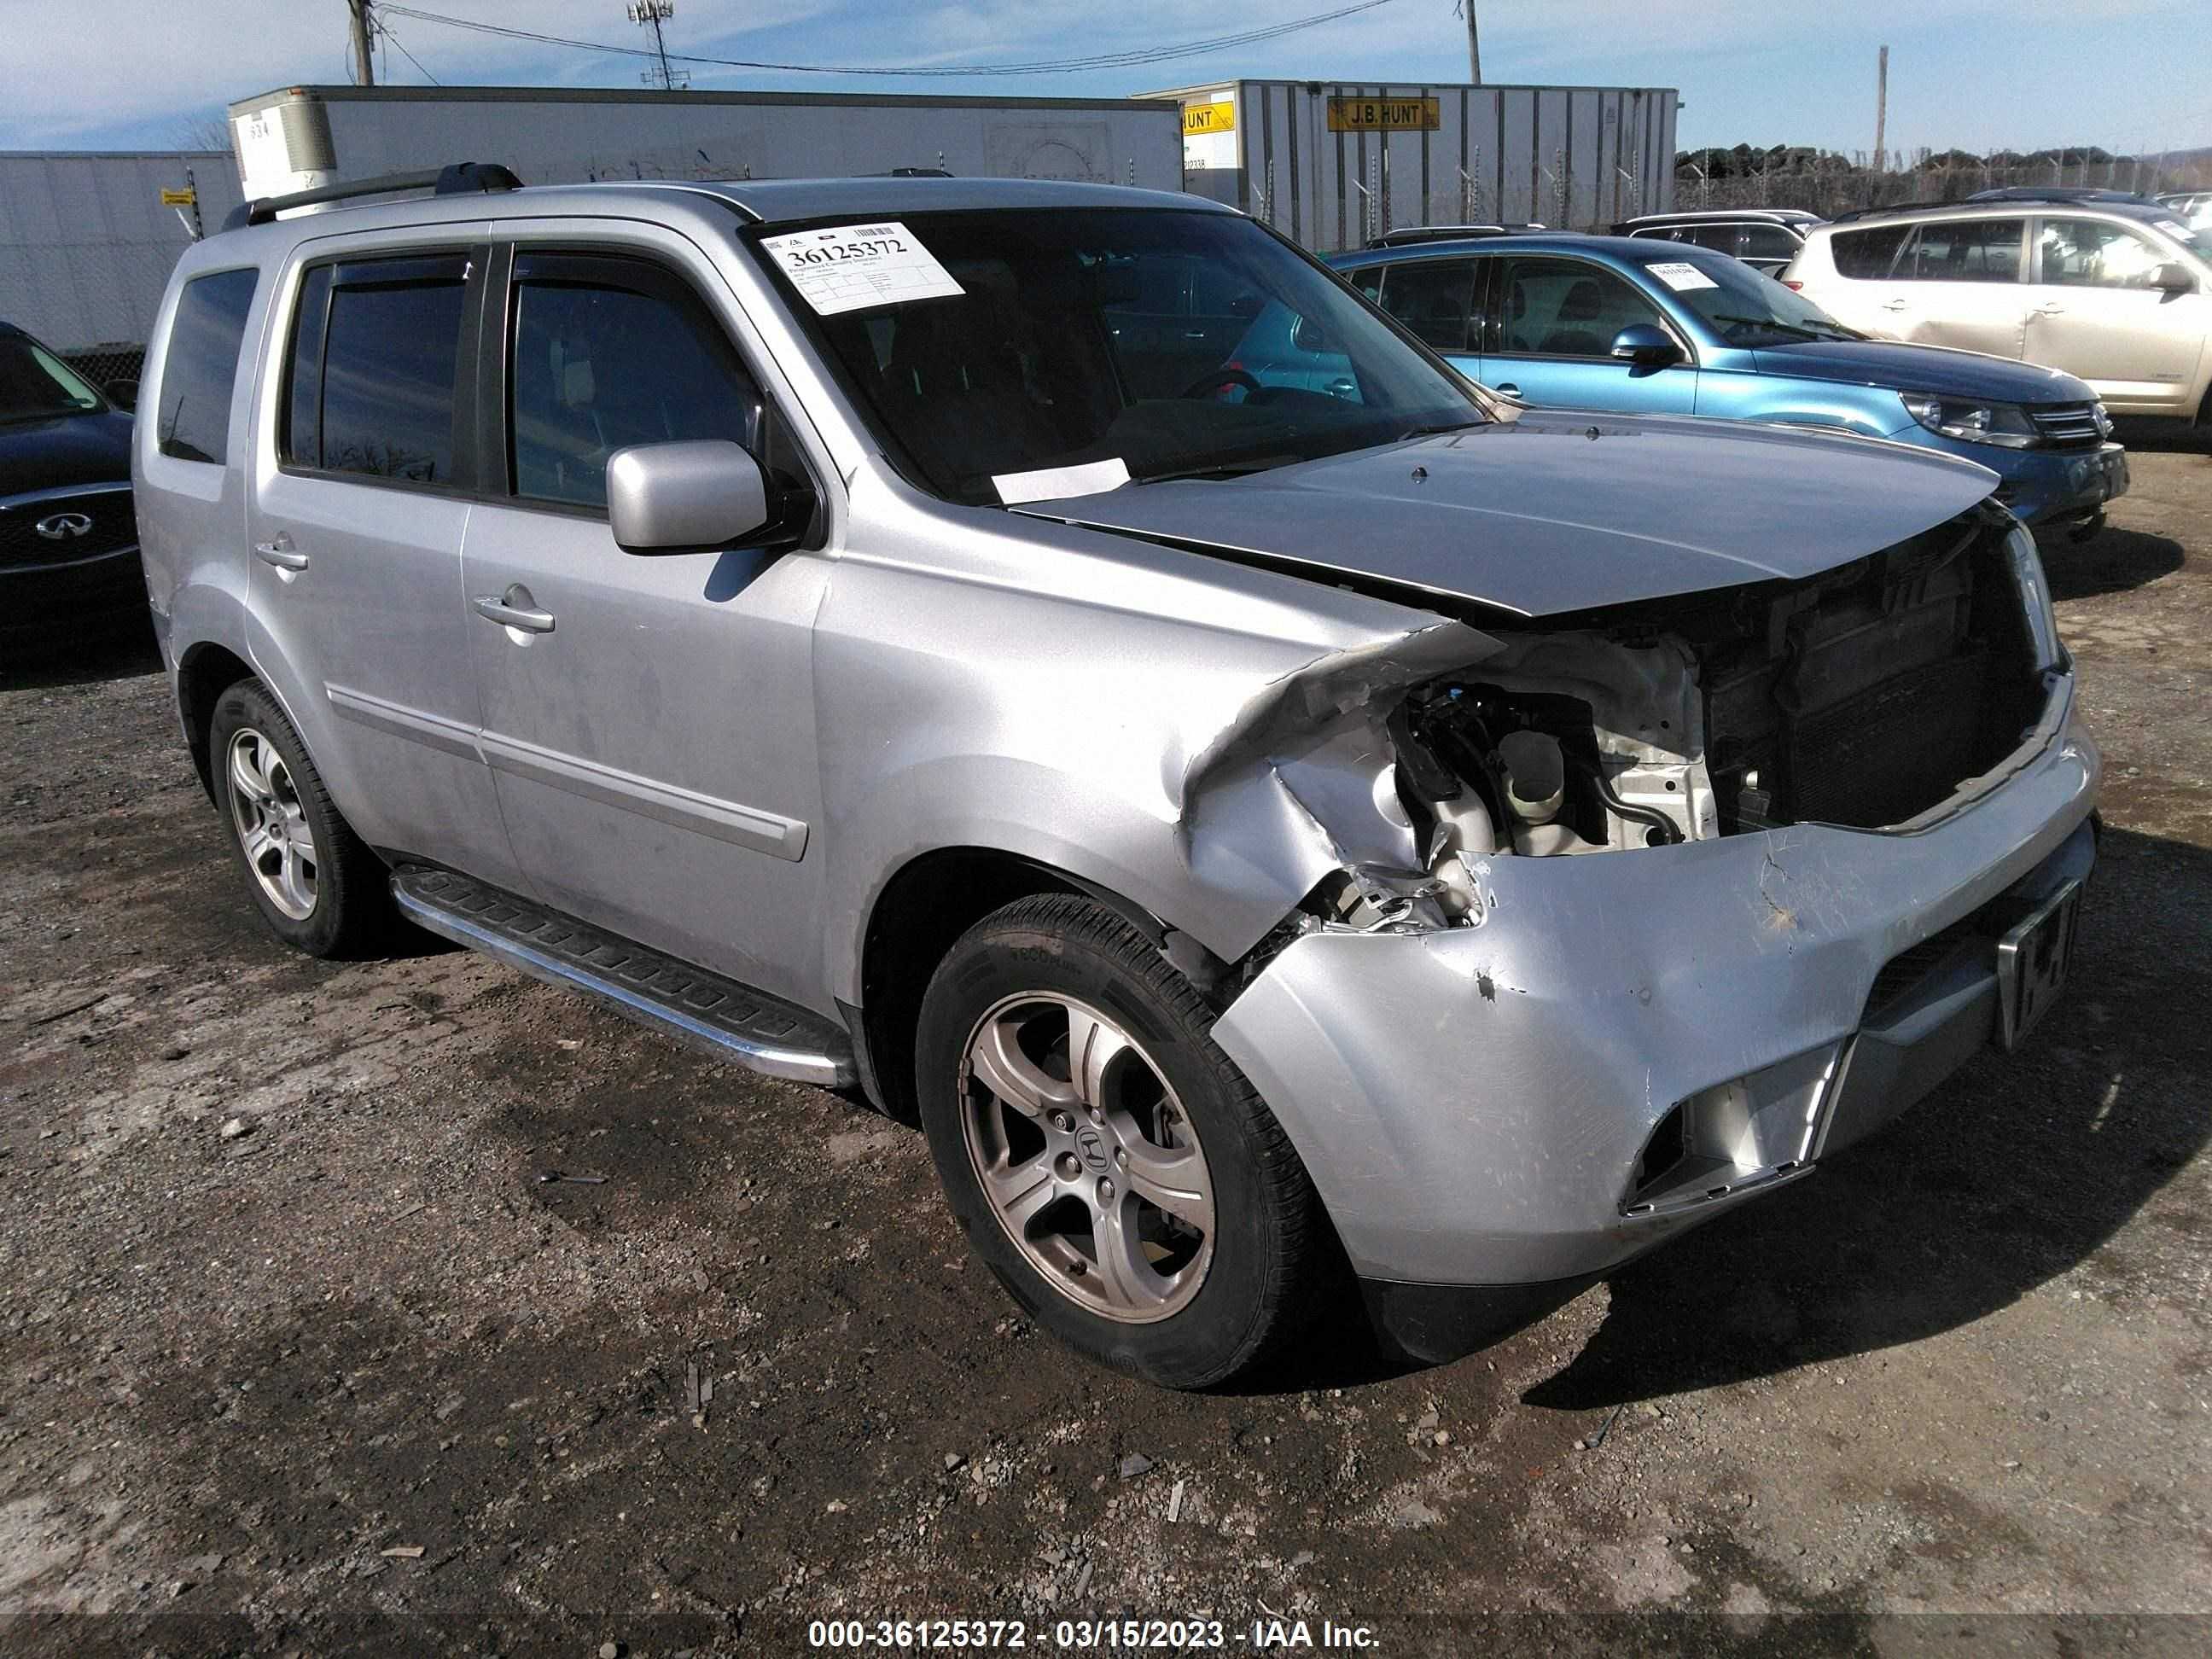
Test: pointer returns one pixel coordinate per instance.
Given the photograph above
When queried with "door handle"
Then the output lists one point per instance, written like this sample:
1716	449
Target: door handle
514	608
1897	305
2048	311
1193	334
1508	388
281	553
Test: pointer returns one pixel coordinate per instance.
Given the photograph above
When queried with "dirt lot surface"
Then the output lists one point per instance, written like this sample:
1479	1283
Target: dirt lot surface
355	1380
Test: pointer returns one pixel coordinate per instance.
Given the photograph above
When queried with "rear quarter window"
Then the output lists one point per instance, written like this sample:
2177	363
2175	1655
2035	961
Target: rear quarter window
1868	255
201	366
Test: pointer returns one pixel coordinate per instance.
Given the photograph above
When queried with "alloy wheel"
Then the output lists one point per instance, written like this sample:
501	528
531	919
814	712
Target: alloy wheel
272	828
1087	1160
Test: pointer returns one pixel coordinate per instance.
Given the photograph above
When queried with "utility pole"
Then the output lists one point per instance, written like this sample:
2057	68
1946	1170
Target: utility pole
1881	110
364	31
1474	44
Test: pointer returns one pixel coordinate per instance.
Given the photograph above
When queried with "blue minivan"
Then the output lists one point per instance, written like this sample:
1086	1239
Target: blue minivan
1655	327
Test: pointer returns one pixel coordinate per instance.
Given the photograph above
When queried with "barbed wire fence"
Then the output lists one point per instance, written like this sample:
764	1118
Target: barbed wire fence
1830	184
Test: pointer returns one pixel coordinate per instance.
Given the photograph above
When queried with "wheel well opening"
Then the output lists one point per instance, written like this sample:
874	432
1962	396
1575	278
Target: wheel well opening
919	917
206	673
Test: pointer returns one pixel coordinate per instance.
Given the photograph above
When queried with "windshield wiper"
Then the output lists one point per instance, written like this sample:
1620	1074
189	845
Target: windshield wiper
1220	469
1781	327
1438	428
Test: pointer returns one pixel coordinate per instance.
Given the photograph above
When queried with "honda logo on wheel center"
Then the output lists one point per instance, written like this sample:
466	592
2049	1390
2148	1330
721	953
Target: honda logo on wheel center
1092	1145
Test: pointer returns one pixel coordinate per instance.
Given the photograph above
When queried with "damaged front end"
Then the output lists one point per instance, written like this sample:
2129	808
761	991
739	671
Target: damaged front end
1825	806
1879	696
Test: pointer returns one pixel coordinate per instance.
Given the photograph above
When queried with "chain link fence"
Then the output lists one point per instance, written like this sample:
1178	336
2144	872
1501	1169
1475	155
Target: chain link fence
104	365
1829	185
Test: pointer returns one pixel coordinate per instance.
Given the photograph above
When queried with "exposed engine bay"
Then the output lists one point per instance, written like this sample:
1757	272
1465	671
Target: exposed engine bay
1864	697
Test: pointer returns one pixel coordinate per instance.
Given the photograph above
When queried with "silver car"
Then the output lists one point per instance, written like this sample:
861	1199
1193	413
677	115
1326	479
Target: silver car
1269	838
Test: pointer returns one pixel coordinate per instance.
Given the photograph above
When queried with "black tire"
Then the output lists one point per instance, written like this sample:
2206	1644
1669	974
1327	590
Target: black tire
1270	1237
351	913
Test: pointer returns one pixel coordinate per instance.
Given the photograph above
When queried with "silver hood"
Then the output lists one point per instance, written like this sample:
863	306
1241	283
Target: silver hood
1558	512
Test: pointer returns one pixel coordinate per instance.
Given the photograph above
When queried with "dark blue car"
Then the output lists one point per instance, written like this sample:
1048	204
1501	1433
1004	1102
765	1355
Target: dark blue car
1653	328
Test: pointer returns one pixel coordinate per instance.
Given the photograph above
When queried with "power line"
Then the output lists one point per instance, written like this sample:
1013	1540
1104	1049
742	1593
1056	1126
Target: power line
1041	66
385	29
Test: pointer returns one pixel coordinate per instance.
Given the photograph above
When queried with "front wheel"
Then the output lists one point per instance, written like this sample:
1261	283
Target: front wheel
1109	1164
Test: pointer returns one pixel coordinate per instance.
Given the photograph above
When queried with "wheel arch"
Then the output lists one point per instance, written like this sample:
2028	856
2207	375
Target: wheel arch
917	917
204	672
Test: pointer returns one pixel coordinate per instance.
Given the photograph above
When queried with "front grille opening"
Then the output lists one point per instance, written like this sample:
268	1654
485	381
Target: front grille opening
1664	1151
1868	696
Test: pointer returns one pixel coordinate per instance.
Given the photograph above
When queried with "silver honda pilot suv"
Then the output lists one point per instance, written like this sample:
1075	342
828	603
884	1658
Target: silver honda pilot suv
1054	659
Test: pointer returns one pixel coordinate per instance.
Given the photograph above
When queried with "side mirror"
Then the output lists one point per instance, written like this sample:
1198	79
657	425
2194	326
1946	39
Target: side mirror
682	497
1646	346
122	392
2172	278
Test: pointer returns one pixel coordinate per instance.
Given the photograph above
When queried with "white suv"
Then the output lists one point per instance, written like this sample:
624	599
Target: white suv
2116	294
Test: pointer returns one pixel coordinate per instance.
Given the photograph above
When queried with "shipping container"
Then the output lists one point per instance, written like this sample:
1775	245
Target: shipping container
1334	164
300	137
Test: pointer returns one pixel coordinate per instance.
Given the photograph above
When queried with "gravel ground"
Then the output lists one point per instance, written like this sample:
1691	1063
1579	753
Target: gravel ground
354	1380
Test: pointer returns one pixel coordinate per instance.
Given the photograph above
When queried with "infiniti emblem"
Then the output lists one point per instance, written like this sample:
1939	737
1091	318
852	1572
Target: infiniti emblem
63	526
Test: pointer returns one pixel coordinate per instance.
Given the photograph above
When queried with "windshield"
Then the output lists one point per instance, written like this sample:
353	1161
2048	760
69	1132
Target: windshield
1171	343
1743	305
34	384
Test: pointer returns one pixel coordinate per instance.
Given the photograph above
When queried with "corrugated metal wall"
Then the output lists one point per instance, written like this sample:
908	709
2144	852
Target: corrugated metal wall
1570	157
86	245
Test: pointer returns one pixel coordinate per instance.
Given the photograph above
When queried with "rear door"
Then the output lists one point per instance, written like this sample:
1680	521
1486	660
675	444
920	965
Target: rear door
2094	313
1547	338
1866	292
650	722
1435	299
356	518
1179	322
1963	282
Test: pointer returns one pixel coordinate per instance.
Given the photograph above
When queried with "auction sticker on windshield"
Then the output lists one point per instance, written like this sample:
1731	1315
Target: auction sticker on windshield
851	267
1680	275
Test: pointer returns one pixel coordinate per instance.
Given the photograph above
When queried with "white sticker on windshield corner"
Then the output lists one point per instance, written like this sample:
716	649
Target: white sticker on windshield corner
2172	228
850	267
1051	483
1680	275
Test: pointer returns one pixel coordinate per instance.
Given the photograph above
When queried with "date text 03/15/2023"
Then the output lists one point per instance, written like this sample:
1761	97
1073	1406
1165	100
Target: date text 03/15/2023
1270	1634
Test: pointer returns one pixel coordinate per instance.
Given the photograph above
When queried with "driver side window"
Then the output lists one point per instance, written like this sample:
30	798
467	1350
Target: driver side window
1553	307
606	352
2095	253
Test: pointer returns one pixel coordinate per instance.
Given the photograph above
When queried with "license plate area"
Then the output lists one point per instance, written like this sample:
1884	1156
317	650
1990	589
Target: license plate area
2032	962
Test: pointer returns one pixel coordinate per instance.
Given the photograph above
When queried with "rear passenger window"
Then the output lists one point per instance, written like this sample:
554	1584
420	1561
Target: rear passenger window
610	352
202	365
1368	279
1432	297
376	349
1866	255
1768	242
1965	250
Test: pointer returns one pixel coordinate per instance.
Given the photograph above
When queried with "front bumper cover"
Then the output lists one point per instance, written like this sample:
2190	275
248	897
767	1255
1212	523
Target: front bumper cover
1473	1103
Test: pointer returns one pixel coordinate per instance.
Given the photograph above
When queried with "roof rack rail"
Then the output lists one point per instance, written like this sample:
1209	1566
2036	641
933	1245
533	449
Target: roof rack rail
1845	217
461	178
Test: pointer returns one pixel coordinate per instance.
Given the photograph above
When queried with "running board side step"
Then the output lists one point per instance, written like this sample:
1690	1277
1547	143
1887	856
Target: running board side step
749	1027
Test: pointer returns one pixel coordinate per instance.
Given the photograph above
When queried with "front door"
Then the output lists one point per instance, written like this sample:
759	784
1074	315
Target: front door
2094	313
356	520
649	717
1548	338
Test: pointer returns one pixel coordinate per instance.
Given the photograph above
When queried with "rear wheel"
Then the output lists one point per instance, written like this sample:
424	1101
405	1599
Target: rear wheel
1111	1165
317	885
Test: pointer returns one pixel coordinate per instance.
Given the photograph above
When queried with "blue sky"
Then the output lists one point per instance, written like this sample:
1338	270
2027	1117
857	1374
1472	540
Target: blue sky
2126	74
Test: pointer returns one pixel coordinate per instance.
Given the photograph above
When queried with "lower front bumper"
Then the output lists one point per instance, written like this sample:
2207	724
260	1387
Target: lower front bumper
2057	486
40	602
1474	1105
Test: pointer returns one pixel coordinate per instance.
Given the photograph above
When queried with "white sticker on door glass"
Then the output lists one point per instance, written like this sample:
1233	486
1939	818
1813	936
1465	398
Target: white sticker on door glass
851	267
1680	275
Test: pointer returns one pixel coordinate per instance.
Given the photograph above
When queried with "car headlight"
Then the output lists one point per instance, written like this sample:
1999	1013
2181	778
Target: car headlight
2034	597
2004	424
